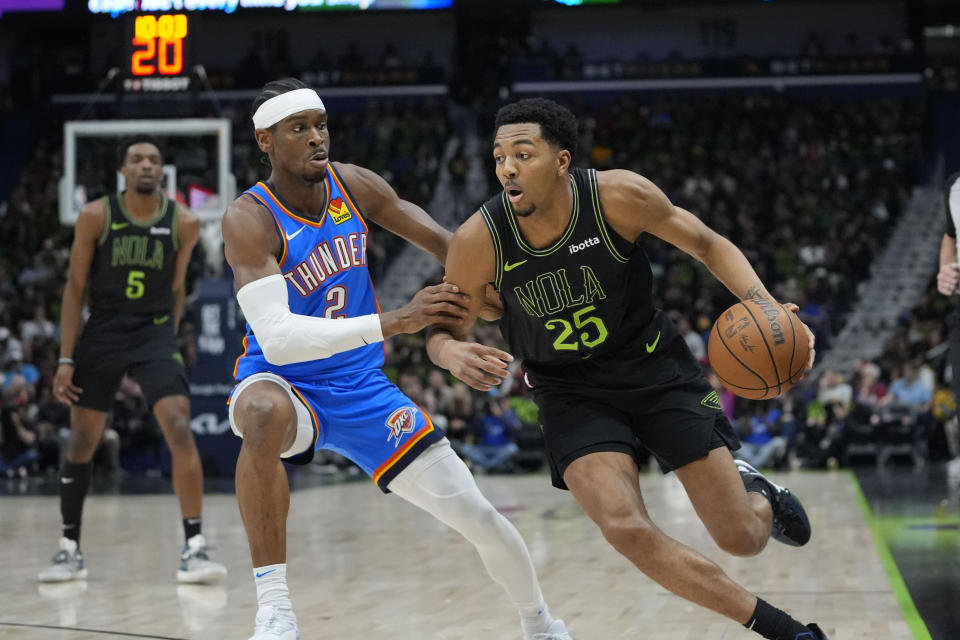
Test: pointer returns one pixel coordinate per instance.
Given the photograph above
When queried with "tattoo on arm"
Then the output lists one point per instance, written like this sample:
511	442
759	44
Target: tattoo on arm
753	292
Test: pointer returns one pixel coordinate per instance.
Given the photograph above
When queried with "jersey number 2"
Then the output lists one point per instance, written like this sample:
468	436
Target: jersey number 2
560	343
337	299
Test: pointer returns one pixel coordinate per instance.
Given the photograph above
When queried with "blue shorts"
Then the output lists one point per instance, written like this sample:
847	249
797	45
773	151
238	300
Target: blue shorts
366	418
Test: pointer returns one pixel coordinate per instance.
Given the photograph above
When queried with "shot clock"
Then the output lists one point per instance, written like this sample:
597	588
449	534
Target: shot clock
157	58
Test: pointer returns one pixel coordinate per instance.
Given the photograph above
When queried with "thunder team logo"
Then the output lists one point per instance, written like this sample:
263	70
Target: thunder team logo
400	422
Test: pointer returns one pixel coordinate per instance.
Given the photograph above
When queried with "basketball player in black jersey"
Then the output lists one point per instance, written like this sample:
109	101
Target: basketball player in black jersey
134	248
608	371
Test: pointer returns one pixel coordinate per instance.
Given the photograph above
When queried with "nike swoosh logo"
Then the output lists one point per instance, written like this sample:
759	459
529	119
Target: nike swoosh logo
651	347
510	267
160	320
66	480
293	235
260	575
116	226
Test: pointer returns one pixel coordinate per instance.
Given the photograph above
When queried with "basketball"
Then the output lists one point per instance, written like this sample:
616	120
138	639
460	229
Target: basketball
758	349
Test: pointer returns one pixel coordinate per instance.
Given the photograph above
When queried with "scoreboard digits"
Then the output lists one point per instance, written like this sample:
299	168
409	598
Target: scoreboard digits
158	45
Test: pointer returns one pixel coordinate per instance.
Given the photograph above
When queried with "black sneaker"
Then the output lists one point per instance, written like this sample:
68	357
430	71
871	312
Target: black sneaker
790	523
816	634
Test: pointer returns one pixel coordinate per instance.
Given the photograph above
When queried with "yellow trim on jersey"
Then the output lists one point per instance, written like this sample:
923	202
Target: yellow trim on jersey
138	223
345	195
604	233
498	248
398	456
107	216
276	201
283	236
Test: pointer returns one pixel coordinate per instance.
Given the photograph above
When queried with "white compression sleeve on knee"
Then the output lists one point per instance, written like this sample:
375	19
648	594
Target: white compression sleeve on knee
286	337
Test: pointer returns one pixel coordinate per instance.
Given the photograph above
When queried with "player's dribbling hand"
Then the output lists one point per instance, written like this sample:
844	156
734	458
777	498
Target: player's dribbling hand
477	365
947	278
811	339
63	388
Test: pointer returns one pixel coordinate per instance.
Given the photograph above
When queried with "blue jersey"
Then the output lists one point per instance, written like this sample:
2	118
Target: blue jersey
325	266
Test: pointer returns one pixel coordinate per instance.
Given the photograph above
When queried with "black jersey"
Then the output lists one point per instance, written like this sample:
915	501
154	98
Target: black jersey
951	195
589	295
133	267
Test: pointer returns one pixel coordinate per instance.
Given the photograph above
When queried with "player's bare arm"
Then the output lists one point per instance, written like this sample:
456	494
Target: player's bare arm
250	241
949	275
251	244
634	205
381	204
470	264
87	231
188	230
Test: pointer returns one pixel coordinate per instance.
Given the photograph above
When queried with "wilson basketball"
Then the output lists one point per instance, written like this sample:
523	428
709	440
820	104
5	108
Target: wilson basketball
758	349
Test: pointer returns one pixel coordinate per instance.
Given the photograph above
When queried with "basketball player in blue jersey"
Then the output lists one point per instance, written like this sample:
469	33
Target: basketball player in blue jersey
310	375
608	371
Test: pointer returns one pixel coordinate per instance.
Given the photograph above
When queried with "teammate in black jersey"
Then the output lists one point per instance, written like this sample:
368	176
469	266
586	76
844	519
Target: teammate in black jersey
608	371
134	248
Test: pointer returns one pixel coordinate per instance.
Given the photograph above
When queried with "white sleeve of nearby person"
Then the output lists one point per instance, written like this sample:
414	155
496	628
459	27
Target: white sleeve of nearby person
286	337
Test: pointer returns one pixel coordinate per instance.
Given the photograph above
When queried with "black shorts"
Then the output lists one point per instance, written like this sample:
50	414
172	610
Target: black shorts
661	402
136	346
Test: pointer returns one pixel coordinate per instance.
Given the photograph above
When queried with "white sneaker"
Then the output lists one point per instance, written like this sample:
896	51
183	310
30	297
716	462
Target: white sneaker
275	624
67	564
196	566
556	631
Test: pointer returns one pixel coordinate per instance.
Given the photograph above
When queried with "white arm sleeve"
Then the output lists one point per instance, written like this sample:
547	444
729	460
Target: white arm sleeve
286	337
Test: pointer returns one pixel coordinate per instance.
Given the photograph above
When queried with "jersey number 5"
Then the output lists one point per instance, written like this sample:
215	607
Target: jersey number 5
560	343
135	284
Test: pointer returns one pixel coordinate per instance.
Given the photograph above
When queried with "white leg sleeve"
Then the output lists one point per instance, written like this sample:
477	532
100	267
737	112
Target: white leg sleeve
439	483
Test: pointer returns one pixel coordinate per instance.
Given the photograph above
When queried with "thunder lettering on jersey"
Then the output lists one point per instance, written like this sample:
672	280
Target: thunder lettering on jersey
325	265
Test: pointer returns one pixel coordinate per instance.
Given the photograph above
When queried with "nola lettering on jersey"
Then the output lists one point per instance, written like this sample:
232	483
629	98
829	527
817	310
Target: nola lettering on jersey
589	242
326	259
552	292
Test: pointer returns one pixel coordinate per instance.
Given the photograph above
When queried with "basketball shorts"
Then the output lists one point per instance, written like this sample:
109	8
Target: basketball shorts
362	416
138	346
655	399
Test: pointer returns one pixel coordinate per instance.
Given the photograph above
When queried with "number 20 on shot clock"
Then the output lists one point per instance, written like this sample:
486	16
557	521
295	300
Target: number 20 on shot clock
158	54
158	45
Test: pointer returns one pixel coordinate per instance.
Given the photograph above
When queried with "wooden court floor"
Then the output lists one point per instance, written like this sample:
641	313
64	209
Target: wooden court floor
366	566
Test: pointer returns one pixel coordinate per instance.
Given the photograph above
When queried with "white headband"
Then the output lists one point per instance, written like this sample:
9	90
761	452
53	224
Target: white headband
284	105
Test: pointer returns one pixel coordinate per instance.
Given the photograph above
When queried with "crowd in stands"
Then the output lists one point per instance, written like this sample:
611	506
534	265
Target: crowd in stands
808	187
402	140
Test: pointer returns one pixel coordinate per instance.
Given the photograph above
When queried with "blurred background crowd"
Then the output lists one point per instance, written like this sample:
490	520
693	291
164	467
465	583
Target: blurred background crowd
809	183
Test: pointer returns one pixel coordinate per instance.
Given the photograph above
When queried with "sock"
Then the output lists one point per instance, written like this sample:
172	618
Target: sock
774	624
74	482
535	619
271	582
191	527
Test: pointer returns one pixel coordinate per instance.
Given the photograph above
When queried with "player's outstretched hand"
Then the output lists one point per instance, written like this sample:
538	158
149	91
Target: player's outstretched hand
948	278
63	388
441	304
811	339
477	365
